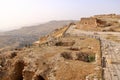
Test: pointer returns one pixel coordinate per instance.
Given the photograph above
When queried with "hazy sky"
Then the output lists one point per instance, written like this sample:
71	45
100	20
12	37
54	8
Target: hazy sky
17	13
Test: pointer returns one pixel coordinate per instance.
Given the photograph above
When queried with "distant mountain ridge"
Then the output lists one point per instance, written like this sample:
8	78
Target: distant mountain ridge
38	29
27	35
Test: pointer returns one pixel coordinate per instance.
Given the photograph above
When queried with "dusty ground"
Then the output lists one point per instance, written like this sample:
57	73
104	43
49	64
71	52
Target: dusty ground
74	52
57	62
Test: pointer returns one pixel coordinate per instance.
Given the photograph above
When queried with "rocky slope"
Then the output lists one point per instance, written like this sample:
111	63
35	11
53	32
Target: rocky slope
53	61
68	53
27	35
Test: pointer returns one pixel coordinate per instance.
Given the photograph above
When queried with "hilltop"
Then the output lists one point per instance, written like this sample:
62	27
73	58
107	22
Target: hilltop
83	50
110	23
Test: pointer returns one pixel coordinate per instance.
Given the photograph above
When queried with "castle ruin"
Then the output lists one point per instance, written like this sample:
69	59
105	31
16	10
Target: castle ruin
89	21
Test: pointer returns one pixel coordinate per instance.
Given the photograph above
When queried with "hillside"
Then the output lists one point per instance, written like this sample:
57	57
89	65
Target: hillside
77	51
27	35
56	55
41	29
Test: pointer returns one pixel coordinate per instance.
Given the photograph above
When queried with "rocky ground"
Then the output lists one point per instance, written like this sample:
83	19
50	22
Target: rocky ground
110	51
67	59
68	53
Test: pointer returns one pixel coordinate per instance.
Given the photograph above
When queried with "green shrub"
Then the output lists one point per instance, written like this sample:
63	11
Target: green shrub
91	58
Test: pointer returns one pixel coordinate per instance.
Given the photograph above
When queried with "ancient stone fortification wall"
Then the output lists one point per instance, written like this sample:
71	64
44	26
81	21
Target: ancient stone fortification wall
110	52
110	57
104	43
88	21
108	45
53	37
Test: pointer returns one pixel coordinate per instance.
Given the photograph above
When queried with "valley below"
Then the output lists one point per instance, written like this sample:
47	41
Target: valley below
88	49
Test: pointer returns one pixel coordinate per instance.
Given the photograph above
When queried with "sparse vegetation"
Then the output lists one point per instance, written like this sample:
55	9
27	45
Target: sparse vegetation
66	43
59	44
67	55
91	58
85	57
71	54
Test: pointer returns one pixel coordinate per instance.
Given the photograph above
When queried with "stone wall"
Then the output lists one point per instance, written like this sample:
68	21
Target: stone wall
89	21
109	55
52	38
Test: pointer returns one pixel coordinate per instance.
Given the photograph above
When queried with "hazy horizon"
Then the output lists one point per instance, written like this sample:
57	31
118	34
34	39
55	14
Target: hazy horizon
15	14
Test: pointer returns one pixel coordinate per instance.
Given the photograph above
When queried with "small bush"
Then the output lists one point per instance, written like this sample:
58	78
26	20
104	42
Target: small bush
82	57
59	44
91	58
65	43
13	54
67	55
85	57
